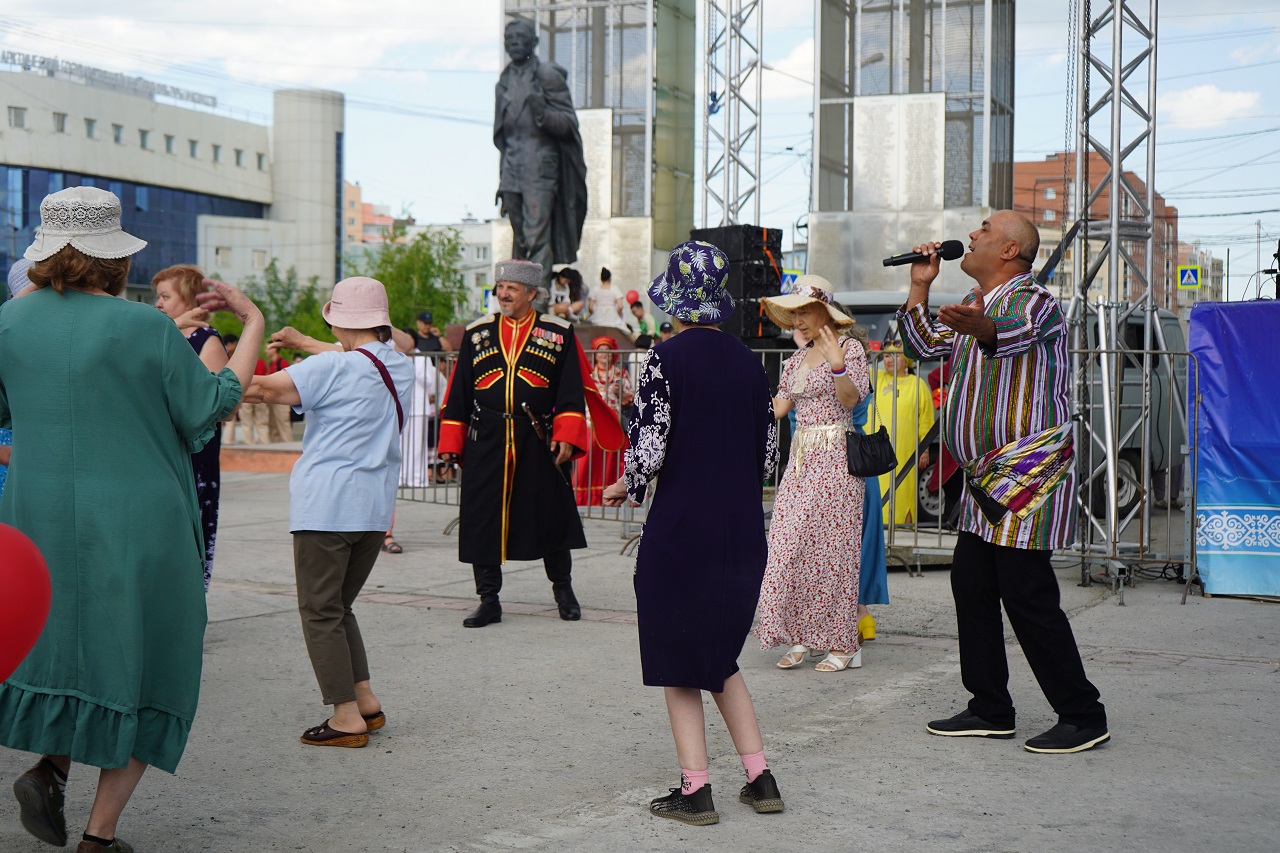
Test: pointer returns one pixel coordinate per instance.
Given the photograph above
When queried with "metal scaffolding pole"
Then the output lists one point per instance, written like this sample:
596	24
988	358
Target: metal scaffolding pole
1116	58
731	114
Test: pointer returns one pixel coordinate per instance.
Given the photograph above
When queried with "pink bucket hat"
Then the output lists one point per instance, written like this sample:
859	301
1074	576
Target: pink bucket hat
357	303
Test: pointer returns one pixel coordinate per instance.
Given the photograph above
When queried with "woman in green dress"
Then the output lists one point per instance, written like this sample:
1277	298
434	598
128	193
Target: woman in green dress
114	678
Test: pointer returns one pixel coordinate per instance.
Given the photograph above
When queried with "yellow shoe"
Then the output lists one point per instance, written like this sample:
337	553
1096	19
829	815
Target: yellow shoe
867	628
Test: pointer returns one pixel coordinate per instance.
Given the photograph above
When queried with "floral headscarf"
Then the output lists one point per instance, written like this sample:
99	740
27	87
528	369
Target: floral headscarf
692	289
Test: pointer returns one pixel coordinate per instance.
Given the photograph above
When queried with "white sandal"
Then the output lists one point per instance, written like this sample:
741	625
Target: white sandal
835	662
793	658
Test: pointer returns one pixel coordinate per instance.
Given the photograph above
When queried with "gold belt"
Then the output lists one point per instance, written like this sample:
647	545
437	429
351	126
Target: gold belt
806	439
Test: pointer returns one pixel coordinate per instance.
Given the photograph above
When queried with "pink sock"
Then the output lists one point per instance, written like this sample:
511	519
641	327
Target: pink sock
754	765
692	780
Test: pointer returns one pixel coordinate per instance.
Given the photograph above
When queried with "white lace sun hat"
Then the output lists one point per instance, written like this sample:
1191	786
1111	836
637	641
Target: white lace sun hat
86	218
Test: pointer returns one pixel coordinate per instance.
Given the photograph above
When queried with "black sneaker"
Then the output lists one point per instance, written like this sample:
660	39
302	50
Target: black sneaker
1064	738
762	794
965	724
696	808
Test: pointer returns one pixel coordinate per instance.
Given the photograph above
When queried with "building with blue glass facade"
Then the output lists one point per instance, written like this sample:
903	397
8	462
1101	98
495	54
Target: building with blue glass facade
226	194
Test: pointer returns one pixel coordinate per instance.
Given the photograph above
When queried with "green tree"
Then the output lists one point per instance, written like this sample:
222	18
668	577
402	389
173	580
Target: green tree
420	274
283	300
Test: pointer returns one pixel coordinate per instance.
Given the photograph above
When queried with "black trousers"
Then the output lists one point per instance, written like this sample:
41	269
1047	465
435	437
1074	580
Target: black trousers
982	576
559	566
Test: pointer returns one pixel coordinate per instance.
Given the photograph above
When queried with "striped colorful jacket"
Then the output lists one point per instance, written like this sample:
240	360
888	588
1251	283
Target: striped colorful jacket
997	396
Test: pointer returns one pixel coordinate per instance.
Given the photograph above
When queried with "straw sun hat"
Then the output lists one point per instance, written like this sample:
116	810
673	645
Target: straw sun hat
806	290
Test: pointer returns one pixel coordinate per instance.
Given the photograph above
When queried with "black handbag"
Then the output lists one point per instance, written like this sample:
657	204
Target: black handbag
869	455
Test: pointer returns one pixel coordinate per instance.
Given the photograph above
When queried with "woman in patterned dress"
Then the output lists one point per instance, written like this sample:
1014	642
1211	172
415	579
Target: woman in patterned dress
176	288
809	597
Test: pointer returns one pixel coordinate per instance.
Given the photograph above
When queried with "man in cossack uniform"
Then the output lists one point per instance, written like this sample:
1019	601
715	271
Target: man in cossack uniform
514	417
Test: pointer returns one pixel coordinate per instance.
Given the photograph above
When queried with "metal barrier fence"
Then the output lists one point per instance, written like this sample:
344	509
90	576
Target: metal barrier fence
424	478
1137	413
921	509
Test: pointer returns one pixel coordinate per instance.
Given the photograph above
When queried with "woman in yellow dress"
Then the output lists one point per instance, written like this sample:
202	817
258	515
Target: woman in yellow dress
907	419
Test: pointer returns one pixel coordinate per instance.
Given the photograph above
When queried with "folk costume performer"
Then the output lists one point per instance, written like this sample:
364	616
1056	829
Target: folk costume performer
514	416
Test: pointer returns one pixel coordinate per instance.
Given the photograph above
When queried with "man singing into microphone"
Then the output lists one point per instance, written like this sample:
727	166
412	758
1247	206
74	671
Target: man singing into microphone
1007	421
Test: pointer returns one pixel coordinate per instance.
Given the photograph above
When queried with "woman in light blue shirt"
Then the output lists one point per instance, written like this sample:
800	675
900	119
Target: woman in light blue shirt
342	490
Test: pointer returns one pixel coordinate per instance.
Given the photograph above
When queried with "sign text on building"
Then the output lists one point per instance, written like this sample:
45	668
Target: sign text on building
101	77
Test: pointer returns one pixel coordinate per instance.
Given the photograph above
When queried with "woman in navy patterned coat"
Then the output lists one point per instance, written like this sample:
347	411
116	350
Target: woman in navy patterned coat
704	427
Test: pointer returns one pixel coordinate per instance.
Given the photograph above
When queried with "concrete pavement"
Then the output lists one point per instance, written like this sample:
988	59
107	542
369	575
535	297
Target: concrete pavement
537	734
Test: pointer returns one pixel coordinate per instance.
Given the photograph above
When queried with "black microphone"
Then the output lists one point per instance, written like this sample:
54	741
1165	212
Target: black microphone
950	250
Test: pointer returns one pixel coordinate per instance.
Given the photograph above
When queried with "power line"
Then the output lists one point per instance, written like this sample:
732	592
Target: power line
1221	136
285	25
1181	216
1224	171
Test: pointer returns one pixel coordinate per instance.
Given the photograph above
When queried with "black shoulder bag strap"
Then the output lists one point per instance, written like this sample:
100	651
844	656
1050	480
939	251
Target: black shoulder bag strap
386	379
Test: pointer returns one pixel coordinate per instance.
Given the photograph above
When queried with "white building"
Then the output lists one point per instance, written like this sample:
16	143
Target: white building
226	194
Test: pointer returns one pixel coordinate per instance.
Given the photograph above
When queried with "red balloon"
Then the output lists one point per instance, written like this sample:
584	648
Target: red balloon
632	297
24	597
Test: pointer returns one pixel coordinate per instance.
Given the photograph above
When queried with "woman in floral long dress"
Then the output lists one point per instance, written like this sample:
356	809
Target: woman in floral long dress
809	597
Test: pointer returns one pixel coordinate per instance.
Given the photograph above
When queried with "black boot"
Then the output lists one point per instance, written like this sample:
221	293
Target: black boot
490	610
488	585
566	601
559	566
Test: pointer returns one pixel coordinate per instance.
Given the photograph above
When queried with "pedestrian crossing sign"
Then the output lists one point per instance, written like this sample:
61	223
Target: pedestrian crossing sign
1188	278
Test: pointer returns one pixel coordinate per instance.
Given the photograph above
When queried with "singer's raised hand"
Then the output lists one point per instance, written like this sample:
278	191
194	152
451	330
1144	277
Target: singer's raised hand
924	272
970	319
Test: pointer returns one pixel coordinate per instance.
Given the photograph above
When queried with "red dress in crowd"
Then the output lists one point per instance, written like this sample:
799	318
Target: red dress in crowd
600	467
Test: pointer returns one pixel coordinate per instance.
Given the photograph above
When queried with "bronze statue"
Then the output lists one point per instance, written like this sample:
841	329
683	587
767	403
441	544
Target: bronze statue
543	187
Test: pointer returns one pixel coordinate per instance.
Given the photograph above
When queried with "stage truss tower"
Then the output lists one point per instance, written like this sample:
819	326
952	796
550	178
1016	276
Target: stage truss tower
1113	273
731	114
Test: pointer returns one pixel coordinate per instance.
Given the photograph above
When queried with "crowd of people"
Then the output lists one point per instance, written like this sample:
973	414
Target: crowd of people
536	423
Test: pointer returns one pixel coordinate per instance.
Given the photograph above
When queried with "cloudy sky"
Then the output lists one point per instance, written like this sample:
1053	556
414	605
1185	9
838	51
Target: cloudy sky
419	75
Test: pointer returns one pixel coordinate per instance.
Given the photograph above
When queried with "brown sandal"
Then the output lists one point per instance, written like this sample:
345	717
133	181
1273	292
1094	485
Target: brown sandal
390	545
375	721
326	735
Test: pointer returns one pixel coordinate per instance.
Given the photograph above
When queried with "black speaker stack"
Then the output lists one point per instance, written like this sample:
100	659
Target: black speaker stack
755	271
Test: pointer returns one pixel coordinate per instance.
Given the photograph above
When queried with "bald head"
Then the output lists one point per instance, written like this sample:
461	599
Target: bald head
1016	228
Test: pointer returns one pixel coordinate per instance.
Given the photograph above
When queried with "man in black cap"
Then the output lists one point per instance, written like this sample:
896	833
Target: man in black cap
429	338
666	332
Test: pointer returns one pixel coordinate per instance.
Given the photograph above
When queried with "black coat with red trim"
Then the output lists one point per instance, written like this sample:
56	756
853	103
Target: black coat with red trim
516	503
